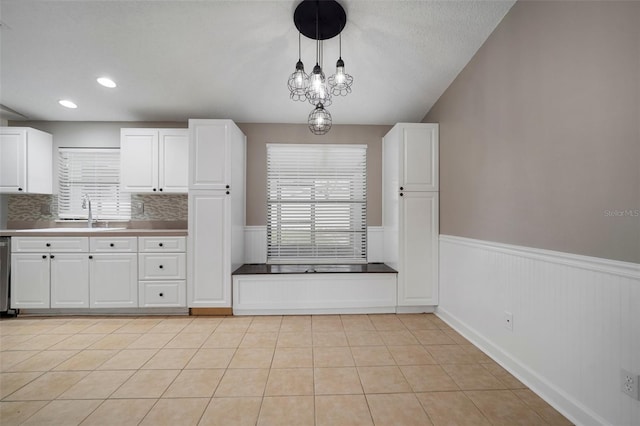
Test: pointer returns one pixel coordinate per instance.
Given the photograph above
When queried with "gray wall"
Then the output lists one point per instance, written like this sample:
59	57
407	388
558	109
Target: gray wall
540	133
258	135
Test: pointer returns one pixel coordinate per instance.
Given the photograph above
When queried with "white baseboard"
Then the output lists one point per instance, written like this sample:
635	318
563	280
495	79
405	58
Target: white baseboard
575	321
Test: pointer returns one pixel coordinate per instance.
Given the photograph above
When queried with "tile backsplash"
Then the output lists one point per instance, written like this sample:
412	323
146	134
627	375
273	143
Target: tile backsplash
43	208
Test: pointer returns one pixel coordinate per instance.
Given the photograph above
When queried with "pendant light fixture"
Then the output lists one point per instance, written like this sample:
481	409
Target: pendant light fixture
319	20
319	120
340	82
317	91
299	80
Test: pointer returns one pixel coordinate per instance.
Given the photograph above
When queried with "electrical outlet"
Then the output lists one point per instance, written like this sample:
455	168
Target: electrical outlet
629	383
508	320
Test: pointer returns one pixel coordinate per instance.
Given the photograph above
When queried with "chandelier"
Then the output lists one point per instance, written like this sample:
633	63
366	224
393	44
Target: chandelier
319	20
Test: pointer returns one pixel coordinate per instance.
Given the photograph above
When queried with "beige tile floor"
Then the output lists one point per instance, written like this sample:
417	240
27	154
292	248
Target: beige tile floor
292	370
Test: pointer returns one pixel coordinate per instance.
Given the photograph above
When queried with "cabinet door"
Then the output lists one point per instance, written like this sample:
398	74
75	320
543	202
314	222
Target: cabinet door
419	158
113	280
139	160
69	280
174	160
209	271
209	154
418	257
30	281
13	171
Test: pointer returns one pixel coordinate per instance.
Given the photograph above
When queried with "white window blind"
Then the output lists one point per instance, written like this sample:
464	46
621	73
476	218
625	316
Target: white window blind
316	203
94	172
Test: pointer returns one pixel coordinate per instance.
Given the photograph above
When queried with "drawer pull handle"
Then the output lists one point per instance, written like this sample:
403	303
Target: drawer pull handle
160	190
52	256
44	256
154	190
19	189
161	266
161	294
160	244
90	257
401	194
401	188
48	244
111	244
228	192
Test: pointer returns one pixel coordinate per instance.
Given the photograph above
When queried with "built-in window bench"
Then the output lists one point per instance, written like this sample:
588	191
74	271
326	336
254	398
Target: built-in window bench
262	289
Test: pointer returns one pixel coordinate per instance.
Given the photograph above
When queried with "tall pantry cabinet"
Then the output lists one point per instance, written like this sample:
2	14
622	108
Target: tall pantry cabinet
410	212
217	162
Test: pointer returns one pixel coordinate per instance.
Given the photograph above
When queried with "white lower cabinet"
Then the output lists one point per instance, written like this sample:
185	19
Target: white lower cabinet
98	272
162	264
30	277
49	272
156	294
69	272
113	280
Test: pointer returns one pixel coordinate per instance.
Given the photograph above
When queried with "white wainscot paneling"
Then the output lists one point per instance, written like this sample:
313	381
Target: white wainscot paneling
576	321
282	294
255	243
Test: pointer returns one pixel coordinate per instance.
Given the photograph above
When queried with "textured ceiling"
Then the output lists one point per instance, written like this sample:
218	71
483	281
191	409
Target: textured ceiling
175	60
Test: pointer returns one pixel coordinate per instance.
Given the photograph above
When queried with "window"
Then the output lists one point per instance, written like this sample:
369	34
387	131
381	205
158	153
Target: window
94	172
316	203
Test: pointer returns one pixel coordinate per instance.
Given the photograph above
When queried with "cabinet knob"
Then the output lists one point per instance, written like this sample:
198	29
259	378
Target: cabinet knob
227	192
227	186
161	294
52	256
154	190
402	188
111	244
19	189
160	190
44	256
160	266
48	244
160	244
90	257
401	194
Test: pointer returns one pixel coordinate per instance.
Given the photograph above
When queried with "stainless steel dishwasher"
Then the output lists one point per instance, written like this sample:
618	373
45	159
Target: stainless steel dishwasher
5	272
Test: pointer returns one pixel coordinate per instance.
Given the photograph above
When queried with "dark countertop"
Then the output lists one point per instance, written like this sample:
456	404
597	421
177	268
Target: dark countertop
263	268
92	232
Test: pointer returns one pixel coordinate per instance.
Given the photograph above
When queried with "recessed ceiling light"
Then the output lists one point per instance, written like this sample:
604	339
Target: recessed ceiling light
67	103
106	82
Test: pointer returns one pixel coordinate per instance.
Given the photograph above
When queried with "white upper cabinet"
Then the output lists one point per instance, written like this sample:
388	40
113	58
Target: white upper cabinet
210	159
417	156
154	160
25	161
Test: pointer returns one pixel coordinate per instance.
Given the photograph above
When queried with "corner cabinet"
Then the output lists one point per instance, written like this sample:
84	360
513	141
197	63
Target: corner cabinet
154	160
26	161
217	158
410	213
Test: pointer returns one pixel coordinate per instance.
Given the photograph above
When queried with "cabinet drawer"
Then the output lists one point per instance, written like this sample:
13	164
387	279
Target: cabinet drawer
162	294
162	266
50	244
113	244
162	244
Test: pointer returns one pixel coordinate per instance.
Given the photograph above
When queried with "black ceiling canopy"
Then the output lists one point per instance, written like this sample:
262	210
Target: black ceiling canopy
331	19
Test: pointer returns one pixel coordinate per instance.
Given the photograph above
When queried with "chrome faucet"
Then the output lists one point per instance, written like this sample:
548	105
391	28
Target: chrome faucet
86	203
